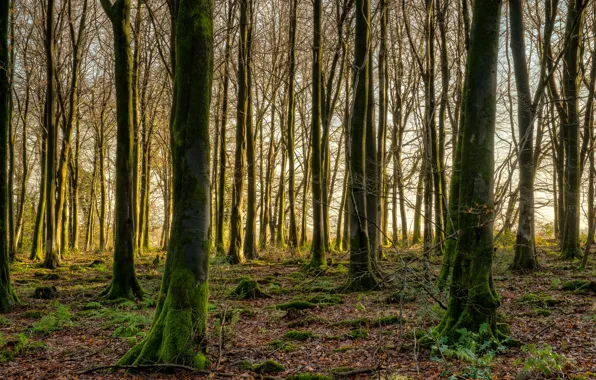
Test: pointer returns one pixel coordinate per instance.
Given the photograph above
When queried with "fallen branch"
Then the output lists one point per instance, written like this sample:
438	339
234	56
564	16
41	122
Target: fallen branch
356	371
161	366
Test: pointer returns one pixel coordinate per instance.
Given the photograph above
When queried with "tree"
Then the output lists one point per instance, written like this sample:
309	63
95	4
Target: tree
7	294
570	125
235	252
318	243
361	273
473	299
293	238
181	316
52	257
124	281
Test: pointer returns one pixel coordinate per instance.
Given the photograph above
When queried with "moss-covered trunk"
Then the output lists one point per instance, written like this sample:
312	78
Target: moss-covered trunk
7	295
124	280
473	300
180	319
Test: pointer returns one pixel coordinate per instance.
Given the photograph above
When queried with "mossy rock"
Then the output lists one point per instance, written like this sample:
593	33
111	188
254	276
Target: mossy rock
268	366
297	305
36	314
538	299
325	299
45	292
300	335
47	276
248	289
309	376
580	286
96	263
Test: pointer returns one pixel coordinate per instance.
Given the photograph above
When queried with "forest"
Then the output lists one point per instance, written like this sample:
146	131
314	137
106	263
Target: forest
300	189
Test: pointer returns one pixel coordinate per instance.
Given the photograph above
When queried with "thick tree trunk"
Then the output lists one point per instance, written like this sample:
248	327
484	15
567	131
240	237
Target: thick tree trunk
180	320
124	280
473	300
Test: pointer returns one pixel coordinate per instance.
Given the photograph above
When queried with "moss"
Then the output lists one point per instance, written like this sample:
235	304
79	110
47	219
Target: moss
300	335
538	299
387	320
538	311
96	264
33	314
246	289
343	348
580	285
92	306
353	322
280	344
309	376
358	334
325	299
298	305
303	322
268	366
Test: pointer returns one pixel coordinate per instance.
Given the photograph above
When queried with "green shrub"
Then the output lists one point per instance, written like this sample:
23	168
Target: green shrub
542	361
54	321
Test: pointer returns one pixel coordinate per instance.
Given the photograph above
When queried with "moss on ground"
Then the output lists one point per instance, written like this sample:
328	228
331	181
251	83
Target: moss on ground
298	305
268	366
247	289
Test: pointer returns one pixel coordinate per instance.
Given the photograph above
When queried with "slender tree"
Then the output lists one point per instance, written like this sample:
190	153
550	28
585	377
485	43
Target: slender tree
7	294
318	243
124	281
293	232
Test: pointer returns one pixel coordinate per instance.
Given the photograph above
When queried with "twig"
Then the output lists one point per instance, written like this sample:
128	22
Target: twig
541	331
161	366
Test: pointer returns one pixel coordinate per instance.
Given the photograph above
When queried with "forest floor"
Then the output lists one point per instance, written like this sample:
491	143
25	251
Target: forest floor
346	335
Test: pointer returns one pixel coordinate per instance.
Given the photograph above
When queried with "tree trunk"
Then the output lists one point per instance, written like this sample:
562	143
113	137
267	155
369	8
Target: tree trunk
180	320
573	29
473	300
293	232
250	240
361	274
318	241
52	257
124	280
525	256
236	252
8	297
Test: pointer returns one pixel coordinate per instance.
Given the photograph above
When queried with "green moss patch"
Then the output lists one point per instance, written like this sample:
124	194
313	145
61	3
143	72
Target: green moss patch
297	305
268	366
580	286
300	335
538	299
309	376
325	299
